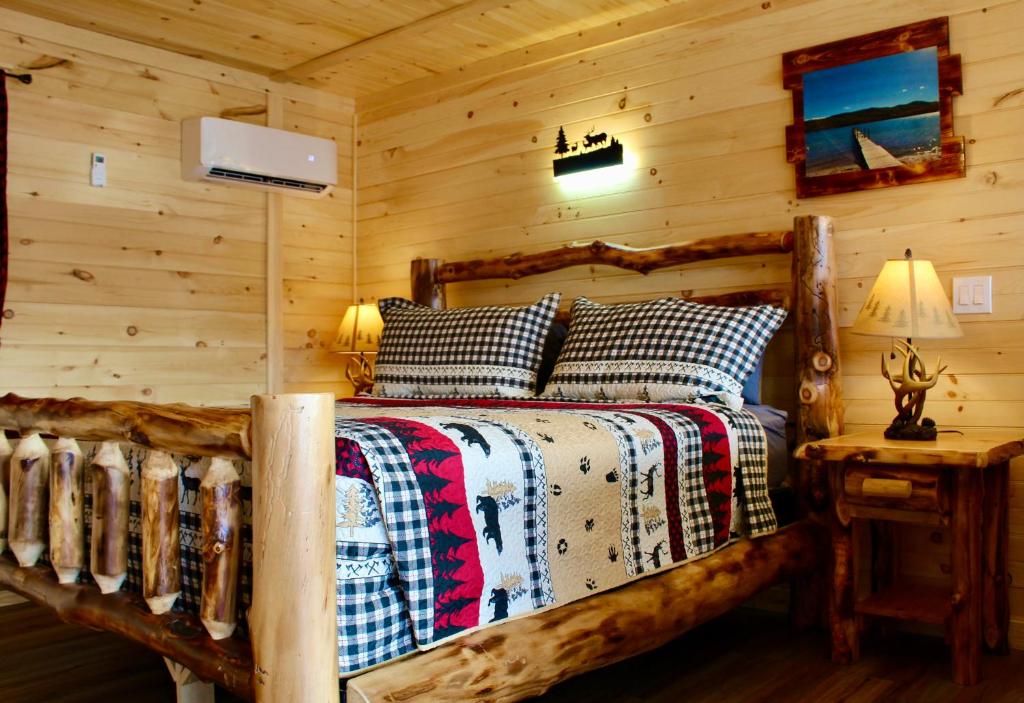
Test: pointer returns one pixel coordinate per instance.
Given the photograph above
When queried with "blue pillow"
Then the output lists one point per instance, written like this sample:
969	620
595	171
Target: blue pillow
752	388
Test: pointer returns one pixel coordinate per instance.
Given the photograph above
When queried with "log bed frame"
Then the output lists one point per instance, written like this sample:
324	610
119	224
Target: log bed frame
291	653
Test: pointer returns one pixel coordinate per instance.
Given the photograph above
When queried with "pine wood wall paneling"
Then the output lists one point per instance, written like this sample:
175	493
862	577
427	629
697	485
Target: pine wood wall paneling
318	262
151	288
449	167
275	266
174	307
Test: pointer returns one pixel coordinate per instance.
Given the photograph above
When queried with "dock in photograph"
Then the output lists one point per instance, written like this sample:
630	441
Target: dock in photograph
871	154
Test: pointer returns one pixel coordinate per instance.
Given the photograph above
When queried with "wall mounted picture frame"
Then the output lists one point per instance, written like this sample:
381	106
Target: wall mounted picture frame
874	111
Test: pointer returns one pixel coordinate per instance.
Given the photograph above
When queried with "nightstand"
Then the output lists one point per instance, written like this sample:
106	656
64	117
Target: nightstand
958	481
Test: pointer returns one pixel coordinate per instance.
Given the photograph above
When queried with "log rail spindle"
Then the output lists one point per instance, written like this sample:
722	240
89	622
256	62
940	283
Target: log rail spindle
222	550
67	510
161	550
30	478
111	482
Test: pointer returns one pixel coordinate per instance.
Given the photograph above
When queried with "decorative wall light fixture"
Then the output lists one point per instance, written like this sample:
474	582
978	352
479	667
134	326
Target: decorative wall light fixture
596	153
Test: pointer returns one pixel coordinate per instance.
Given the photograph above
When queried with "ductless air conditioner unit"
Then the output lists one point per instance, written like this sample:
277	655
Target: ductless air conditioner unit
238	153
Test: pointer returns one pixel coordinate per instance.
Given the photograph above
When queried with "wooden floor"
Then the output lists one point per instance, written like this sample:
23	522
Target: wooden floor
746	656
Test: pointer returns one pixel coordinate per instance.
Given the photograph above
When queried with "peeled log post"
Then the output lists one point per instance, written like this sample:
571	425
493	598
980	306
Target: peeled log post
819	393
110	481
425	286
523	658
295	650
222	523
67	510
30	476
817	329
5	484
161	555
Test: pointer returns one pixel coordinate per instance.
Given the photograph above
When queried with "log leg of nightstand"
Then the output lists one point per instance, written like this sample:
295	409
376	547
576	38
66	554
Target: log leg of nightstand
967	589
995	606
841	616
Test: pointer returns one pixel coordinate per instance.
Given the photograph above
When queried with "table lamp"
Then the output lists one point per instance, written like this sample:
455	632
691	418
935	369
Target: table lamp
907	302
359	335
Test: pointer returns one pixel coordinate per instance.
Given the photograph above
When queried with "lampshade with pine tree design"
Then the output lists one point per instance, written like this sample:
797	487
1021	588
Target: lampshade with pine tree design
907	301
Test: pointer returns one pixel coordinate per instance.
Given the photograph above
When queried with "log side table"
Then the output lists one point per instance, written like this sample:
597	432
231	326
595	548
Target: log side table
958	481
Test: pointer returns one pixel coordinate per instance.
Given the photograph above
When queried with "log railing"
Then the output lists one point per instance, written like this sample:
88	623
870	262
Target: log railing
46	505
42	490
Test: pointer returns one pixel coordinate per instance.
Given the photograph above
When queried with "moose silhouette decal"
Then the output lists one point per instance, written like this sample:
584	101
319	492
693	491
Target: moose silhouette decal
594	154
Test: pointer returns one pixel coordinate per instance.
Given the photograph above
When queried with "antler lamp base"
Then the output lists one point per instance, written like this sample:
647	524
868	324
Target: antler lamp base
911	386
359	373
906	428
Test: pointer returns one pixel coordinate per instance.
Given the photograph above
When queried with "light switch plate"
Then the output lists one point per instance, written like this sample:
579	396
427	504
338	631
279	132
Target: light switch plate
972	294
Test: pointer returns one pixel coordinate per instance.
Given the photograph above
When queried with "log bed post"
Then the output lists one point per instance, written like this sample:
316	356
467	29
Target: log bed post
292	621
816	310
819	393
426	289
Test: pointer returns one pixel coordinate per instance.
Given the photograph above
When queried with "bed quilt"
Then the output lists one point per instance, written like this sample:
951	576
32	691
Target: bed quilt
455	516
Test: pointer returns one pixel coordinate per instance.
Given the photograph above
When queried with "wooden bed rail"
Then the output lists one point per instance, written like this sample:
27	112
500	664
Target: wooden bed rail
493	664
292	620
176	428
429	276
639	260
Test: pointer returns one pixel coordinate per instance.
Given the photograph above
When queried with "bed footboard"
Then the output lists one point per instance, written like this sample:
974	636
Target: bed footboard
290	440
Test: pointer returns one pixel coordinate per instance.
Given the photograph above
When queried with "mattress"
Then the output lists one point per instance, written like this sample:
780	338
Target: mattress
455	515
491	521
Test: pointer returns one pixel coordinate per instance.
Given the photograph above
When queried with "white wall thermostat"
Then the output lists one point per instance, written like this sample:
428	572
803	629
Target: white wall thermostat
98	174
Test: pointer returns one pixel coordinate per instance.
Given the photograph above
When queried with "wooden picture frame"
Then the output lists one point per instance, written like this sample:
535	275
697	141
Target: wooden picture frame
880	70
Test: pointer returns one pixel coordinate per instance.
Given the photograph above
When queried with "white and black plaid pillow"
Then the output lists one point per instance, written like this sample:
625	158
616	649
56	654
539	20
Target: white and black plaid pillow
662	350
461	352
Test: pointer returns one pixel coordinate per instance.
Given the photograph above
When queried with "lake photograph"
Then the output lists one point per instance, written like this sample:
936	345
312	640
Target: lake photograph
873	114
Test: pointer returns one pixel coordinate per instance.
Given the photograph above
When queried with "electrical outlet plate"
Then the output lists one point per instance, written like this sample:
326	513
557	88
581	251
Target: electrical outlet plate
972	294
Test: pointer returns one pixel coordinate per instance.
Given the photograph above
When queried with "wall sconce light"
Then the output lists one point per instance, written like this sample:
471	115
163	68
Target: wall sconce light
589	156
359	335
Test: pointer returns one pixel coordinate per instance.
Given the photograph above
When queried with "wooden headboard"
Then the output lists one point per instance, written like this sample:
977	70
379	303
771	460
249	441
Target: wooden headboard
811	299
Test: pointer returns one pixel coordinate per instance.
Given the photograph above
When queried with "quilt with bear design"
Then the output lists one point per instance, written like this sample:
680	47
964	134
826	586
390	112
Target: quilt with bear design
456	514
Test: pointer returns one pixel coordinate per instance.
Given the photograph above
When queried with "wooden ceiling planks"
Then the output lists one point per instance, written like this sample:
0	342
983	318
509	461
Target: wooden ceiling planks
349	47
